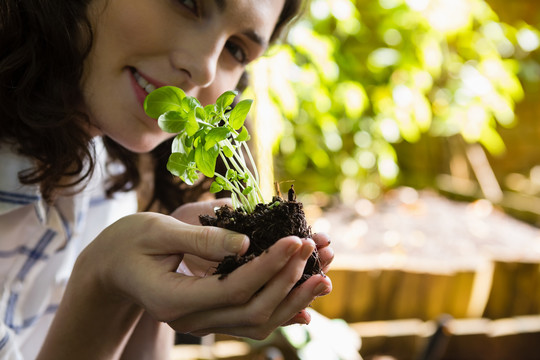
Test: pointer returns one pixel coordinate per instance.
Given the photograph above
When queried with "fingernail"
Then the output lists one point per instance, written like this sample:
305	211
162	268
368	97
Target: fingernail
235	242
293	248
307	250
320	289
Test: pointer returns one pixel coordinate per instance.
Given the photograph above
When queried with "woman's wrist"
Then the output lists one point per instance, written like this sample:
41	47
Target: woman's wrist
93	321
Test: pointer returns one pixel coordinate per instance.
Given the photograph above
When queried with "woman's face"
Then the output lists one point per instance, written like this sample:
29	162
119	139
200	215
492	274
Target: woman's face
201	46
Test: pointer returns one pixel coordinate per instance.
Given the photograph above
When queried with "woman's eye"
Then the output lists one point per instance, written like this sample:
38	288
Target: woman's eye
237	52
191	5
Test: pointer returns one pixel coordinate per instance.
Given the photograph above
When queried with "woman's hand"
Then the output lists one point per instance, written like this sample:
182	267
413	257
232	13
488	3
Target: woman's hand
139	255
194	265
189	214
326	253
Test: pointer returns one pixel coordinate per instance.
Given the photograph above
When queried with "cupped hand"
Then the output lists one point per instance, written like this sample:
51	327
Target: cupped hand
194	265
189	214
326	253
139	256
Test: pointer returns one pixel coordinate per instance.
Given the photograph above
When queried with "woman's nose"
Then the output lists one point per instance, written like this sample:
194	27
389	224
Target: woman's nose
199	61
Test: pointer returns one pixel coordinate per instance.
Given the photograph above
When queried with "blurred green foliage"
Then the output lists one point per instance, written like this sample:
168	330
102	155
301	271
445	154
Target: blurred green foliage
358	77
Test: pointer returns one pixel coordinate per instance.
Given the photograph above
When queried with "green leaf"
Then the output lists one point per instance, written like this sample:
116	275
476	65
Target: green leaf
190	103
247	190
178	144
225	100
192	125
180	165
244	135
239	113
228	151
172	122
201	114
216	135
220	180
206	160
163	99
231	175
215	187
188	142
210	111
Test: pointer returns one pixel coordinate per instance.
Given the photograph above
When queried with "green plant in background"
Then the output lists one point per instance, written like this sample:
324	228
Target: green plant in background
369	75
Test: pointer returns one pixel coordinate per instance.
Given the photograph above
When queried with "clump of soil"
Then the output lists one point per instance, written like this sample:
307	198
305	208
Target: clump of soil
266	225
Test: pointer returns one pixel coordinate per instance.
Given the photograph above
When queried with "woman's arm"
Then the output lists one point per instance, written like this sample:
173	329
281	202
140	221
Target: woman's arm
90	323
150	340
132	265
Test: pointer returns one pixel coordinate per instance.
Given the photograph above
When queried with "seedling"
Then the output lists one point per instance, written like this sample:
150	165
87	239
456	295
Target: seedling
203	135
218	130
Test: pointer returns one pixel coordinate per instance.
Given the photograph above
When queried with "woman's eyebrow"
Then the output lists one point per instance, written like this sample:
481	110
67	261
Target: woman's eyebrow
251	34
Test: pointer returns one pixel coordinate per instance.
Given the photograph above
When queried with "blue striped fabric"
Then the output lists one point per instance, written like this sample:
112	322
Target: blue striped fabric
17	198
38	245
4	341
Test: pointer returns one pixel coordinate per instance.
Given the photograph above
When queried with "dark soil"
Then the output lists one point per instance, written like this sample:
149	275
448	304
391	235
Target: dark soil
267	224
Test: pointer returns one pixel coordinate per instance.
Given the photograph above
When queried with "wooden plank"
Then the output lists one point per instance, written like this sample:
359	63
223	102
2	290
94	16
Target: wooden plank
224	350
402	339
385	293
434	291
513	289
361	301
409	301
500	296
468	340
458	293
333	305
516	338
525	284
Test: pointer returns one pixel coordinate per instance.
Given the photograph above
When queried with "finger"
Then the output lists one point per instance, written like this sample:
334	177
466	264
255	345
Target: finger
326	256
302	317
173	236
262	306
298	299
321	239
184	295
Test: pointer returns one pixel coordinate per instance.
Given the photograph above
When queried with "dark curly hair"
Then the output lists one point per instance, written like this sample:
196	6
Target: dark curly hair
43	45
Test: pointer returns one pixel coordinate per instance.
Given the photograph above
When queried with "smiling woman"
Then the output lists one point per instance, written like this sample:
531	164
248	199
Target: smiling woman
73	77
201	47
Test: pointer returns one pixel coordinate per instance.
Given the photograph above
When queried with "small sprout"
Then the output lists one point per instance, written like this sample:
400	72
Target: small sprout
274	204
292	194
203	135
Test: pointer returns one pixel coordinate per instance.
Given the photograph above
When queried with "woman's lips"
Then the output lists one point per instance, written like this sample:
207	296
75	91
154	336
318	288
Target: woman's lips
143	85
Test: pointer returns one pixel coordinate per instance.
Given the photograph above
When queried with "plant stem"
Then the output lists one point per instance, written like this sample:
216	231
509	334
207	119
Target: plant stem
242	167
255	171
243	199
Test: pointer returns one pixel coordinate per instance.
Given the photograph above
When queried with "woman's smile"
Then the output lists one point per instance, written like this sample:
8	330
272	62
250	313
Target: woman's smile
142	85
141	45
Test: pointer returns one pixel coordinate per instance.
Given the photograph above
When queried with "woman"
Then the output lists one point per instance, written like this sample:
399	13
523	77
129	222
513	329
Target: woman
73	76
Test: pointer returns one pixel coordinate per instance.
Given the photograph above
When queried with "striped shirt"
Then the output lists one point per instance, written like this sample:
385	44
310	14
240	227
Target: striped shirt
38	247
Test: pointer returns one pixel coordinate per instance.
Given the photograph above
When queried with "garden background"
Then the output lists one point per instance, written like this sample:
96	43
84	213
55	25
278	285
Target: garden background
410	131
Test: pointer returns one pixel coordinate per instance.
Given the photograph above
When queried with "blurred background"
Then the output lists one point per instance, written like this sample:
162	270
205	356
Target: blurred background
410	131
